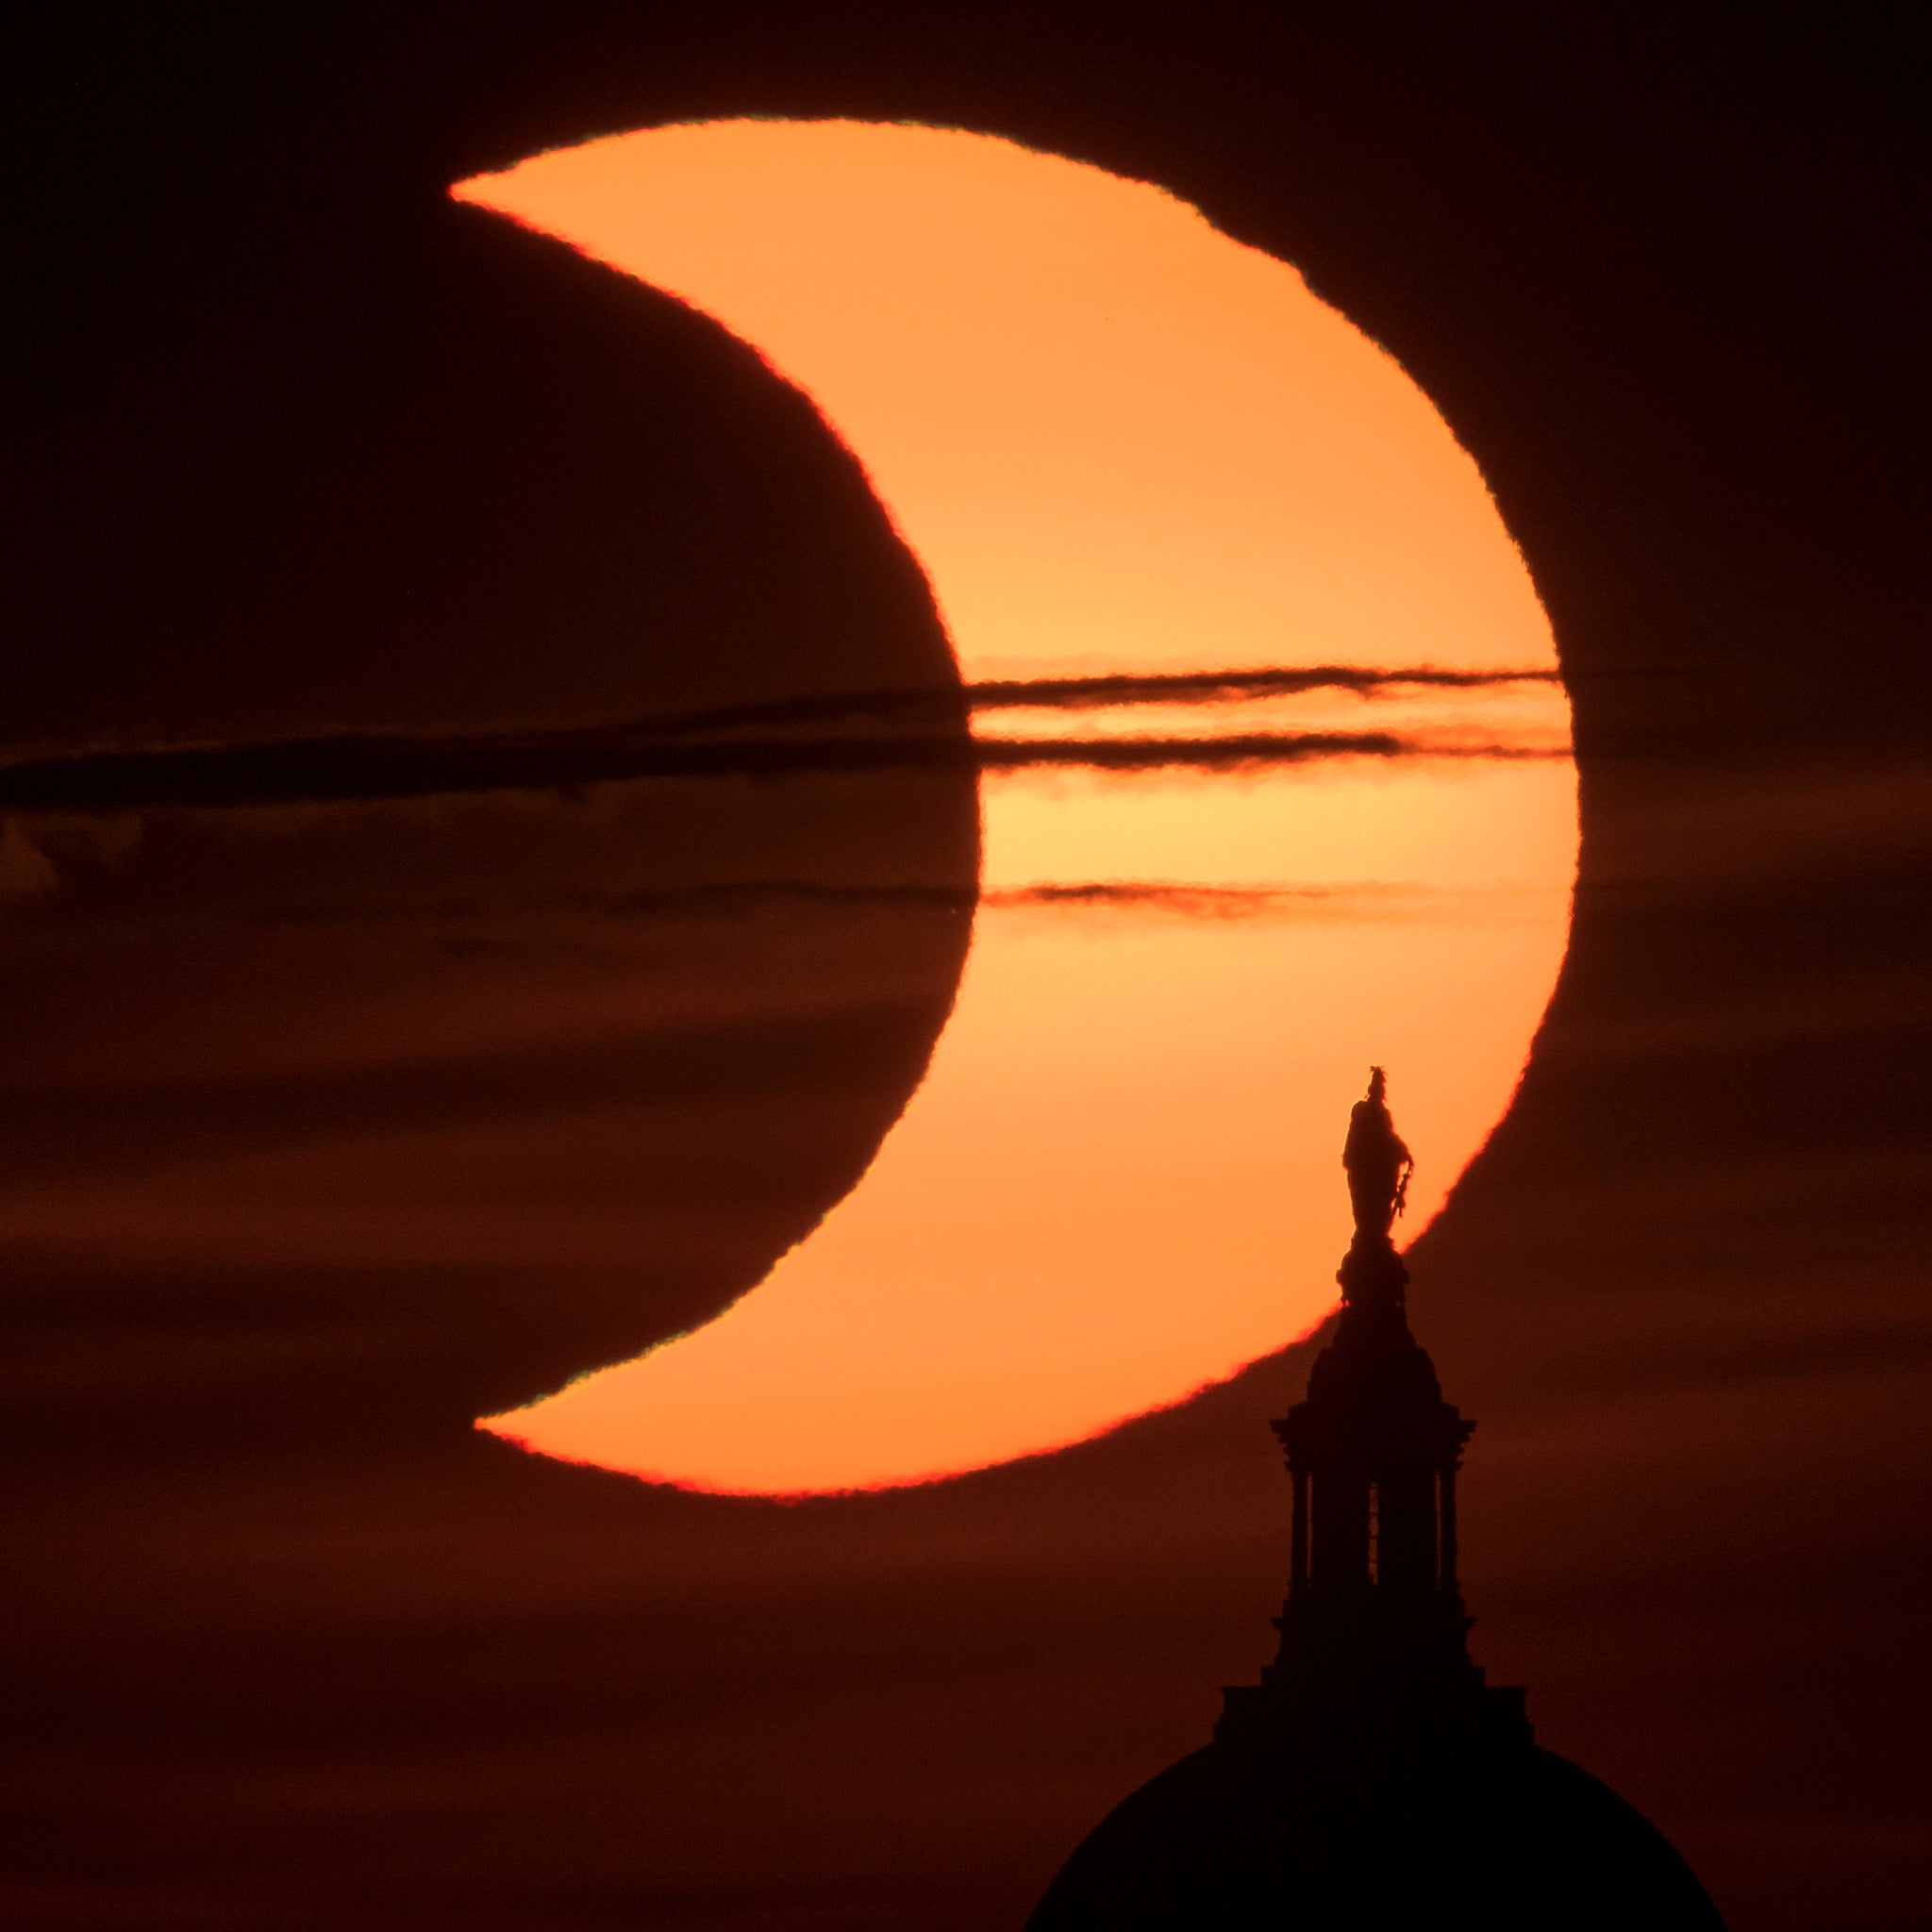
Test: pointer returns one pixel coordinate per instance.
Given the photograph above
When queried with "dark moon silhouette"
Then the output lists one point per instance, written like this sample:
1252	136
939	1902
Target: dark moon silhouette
324	1066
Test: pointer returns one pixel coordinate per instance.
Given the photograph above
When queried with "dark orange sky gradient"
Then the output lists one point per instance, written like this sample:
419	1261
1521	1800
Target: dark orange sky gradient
329	1123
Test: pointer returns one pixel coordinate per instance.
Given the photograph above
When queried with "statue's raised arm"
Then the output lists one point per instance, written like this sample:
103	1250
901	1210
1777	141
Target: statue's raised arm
1377	1163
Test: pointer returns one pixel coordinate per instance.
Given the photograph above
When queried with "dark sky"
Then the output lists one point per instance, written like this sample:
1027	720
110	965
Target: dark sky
298	451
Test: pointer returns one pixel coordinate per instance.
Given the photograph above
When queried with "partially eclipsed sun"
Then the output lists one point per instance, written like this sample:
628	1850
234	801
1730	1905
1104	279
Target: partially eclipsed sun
1118	442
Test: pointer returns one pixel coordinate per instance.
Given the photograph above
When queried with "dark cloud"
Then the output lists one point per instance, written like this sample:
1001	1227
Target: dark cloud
1218	687
1241	751
330	770
1103	691
1205	902
555	919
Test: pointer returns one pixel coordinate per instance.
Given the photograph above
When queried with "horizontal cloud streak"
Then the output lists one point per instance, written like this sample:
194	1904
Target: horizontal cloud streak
745	898
357	769
1238	751
1192	901
1102	690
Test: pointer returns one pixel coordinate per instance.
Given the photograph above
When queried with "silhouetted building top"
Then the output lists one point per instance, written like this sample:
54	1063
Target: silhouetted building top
1373	1779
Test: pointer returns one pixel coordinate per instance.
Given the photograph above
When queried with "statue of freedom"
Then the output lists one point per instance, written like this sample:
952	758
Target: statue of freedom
1377	1163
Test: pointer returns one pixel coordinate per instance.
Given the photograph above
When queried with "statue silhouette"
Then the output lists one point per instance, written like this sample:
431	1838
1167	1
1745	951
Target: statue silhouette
1377	1161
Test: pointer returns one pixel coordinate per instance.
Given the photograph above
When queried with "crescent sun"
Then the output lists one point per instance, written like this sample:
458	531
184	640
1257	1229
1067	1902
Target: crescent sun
1124	446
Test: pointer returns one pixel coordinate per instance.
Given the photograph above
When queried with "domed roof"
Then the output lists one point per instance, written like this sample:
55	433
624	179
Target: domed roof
1443	1839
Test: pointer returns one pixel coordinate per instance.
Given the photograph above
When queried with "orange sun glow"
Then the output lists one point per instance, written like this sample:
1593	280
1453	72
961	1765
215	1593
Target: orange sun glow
1117	441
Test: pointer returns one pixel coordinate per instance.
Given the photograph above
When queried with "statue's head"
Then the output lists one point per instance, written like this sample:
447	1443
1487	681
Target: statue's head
1379	1083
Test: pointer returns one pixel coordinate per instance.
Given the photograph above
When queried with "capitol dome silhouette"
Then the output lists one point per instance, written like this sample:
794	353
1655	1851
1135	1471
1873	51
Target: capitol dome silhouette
1373	1781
